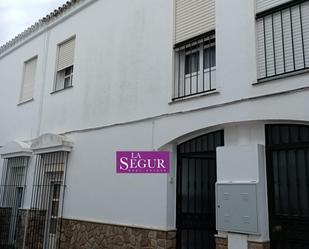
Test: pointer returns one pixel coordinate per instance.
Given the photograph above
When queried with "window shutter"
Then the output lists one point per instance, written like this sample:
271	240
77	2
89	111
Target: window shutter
193	17
28	80
66	54
262	5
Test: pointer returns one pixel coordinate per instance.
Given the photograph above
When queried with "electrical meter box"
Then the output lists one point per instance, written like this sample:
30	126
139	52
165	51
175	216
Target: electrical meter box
237	207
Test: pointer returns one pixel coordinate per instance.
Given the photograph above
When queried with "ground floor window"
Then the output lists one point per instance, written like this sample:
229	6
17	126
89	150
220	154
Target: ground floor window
45	216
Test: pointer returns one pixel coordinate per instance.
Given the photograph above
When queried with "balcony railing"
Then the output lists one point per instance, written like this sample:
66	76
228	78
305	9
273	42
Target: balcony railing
283	40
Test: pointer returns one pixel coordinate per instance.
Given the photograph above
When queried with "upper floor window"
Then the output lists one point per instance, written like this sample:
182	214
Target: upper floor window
65	65
27	88
195	59
195	66
283	40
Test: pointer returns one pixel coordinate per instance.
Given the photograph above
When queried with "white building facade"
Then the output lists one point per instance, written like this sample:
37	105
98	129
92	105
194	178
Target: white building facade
222	85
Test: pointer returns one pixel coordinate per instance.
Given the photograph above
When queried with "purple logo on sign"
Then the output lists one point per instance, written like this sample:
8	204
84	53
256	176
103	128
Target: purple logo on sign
143	162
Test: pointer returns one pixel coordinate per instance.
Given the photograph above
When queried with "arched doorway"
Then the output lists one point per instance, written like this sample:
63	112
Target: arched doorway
196	178
287	149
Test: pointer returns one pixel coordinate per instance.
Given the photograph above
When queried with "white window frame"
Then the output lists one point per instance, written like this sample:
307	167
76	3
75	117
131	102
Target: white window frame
62	71
198	82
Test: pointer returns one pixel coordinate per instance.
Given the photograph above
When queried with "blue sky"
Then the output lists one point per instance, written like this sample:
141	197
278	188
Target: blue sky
17	15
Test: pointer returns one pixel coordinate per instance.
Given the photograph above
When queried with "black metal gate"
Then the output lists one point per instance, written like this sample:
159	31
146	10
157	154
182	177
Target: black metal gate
196	178
288	185
12	187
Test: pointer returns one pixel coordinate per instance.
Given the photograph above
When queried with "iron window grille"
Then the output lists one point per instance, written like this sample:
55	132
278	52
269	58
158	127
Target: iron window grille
283	40
12	187
45	216
195	66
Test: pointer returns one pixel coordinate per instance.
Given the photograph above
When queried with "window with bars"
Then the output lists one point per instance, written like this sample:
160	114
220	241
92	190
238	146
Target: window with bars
195	66
45	217
12	187
283	40
65	65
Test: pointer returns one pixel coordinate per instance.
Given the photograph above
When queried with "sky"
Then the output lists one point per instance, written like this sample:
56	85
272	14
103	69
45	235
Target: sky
17	15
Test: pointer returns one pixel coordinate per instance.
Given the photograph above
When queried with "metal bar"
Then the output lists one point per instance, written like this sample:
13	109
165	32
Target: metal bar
194	94
208	186
297	183
64	159
175	80
302	35
179	81
194	238
265	52
188	185
274	47
283	43
3	181
306	154
194	185
31	241
184	72
279	181
292	37
188	239
287	178
190	66
198	67
5	175
209	51
202	185
178	200
37	212
203	72
65	163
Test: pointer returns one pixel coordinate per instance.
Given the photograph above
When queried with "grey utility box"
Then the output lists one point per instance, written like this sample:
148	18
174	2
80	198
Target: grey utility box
237	207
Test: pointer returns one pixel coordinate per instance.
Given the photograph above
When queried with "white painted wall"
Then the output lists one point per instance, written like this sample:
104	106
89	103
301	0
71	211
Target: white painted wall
123	68
96	192
20	122
123	62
